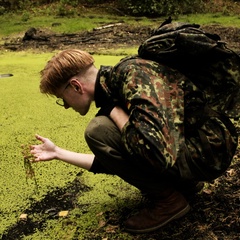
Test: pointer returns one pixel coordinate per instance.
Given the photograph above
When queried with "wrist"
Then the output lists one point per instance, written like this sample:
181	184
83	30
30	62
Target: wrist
57	153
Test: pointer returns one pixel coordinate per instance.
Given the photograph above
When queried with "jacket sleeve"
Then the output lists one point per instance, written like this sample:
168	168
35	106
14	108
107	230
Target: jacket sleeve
155	105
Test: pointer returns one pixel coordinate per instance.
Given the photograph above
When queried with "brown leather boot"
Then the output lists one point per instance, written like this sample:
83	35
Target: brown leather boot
162	211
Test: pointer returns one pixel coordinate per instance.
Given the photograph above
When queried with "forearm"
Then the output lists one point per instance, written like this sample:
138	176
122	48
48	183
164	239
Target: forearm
81	160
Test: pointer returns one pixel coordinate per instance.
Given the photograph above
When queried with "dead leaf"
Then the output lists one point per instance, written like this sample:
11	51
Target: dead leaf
111	228
23	216
207	191
231	172
101	223
100	214
63	213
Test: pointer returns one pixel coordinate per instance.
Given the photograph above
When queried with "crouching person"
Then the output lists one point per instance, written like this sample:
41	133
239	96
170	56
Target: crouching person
139	132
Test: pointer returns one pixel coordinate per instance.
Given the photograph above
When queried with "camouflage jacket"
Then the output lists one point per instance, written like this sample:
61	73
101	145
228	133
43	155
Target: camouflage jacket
153	96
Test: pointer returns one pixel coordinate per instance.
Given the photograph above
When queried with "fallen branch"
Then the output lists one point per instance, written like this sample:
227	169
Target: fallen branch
108	26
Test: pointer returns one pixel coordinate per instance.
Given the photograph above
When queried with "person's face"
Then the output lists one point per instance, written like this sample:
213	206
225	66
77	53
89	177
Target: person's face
74	95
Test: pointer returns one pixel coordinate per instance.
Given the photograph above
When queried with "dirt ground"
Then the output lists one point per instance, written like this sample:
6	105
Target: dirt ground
103	38
215	213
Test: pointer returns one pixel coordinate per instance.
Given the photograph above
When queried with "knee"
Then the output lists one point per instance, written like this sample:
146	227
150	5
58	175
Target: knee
93	128
102	129
98	127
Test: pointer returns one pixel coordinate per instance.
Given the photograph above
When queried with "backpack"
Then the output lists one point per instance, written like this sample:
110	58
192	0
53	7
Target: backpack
214	70
203	58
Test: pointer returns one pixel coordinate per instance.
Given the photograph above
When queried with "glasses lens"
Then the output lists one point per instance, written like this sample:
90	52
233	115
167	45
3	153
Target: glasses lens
60	102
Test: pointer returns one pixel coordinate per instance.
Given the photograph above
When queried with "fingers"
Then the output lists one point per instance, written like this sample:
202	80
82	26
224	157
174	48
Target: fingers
35	148
37	156
34	153
36	159
40	138
40	152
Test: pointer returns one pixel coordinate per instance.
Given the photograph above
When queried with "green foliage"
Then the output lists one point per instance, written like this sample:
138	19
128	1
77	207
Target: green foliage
68	24
25	16
72	3
149	8
2	10
66	8
155	8
63	11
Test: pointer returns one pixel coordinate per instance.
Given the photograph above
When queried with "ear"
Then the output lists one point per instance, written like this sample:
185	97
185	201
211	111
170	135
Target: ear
77	85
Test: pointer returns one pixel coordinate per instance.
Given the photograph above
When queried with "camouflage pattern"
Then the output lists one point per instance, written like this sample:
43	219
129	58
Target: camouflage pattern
203	58
210	157
152	95
157	98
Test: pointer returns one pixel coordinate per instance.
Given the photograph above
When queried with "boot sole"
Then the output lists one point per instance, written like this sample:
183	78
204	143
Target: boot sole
180	214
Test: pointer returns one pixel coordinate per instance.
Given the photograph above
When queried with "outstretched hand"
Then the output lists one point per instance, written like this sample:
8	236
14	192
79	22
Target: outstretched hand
45	151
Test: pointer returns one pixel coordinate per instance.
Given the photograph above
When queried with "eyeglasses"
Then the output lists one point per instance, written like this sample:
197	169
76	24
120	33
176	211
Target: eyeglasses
60	101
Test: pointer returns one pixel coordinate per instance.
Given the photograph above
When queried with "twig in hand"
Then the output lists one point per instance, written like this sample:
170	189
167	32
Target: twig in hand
28	159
